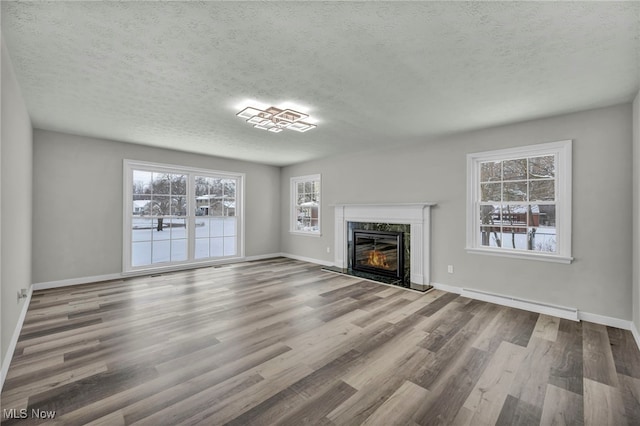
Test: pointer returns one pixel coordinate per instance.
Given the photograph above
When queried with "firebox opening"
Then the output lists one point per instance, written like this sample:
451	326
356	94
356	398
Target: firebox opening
378	252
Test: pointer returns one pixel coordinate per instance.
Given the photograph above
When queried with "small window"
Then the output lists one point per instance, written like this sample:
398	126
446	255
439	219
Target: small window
305	205
520	202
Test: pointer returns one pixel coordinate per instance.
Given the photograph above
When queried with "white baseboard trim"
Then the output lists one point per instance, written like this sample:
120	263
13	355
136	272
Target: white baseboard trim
8	355
636	335
261	257
605	320
307	259
447	288
118	276
76	281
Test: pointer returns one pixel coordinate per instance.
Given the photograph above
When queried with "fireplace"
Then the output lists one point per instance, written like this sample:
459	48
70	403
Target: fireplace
378	252
412	219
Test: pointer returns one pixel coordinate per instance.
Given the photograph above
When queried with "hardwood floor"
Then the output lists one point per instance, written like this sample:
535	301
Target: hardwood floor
282	342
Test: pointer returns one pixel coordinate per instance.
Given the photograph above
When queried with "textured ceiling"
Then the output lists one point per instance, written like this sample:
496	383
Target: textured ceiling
173	74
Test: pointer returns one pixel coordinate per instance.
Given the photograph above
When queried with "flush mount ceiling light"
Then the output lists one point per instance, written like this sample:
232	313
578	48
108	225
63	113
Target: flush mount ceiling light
275	119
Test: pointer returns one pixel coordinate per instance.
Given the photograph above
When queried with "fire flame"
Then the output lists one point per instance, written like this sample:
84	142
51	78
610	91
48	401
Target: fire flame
377	259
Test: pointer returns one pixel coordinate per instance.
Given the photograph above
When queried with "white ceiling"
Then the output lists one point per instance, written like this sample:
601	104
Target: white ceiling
174	74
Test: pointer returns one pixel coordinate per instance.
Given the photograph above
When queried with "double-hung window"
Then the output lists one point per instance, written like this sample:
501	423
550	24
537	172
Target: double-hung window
305	205
519	202
178	215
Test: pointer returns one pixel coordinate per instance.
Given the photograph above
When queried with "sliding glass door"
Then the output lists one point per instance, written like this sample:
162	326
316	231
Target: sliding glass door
176	215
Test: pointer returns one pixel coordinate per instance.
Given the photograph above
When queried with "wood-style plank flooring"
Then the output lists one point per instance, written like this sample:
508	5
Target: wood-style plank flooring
282	342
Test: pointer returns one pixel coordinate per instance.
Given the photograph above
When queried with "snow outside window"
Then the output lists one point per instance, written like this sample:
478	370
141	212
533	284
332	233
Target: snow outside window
305	205
519	202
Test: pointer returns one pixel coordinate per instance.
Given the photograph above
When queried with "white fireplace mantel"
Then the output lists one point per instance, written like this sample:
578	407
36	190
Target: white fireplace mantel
418	215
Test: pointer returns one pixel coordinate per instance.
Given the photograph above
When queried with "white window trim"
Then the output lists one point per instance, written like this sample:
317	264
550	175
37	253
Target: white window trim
293	206
562	151
128	167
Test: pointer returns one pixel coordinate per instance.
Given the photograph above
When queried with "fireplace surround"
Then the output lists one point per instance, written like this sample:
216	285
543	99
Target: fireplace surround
416	215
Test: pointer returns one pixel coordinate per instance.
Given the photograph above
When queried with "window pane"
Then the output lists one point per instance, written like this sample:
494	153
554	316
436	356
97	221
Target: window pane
141	254
543	239
178	184
202	248
490	214
300	187
216	206
490	191
178	206
141	205
229	188
542	190
229	227
308	187
547	214
160	205
178	228
229	246
216	227
141	229
229	206
202	227
201	185
161	183
141	182
490	171
216	247
514	238
515	169
514	191
178	250
215	187
490	236
514	215
161	251
542	167
161	229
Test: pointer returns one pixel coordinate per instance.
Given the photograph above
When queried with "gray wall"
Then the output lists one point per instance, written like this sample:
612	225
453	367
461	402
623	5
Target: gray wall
598	281
78	202
15	199
636	212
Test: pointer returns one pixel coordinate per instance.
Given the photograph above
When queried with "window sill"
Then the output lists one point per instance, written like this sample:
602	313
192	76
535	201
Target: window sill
307	234
522	255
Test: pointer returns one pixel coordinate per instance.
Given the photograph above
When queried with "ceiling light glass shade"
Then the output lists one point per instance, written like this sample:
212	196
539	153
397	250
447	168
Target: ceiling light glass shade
290	115
301	126
275	119
251	112
265	126
258	119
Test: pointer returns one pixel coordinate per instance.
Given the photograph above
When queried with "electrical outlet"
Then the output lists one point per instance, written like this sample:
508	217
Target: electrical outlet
450	269
328	249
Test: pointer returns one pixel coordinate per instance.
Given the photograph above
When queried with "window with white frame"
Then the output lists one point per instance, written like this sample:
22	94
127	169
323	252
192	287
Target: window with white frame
305	205
519	202
178	215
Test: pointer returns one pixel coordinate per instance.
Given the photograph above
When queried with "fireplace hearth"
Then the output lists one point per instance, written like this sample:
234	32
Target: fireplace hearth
378	252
